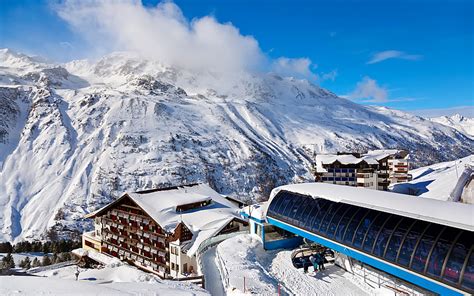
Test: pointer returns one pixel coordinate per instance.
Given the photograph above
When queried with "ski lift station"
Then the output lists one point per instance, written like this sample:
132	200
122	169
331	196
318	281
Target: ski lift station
424	242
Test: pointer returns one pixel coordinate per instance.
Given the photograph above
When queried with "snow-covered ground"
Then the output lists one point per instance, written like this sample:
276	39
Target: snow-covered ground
264	271
114	279
438	181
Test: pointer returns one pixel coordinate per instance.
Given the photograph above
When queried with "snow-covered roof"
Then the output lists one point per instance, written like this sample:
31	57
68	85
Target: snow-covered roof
453	214
379	154
204	222
255	211
322	159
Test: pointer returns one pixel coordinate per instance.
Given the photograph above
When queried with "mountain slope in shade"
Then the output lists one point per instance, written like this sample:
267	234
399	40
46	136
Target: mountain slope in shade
457	121
77	135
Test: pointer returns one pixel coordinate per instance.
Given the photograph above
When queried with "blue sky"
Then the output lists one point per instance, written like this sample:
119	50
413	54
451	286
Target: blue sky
408	55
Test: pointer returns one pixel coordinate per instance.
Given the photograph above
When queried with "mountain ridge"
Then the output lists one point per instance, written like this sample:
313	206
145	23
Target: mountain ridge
79	134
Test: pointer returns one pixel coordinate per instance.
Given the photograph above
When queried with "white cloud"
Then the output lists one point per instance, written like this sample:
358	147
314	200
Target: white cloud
298	68
329	75
393	54
368	90
163	33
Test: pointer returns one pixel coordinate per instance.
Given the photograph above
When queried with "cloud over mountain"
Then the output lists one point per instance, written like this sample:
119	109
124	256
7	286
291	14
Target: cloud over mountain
163	33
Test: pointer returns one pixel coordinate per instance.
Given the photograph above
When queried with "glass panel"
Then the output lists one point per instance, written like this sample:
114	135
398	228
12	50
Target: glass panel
304	216
440	251
327	219
306	205
335	220
286	199
410	242
293	206
374	230
385	234
362	229
422	251
468	277
318	220
353	224
313	213
396	239
457	257
275	204
341	228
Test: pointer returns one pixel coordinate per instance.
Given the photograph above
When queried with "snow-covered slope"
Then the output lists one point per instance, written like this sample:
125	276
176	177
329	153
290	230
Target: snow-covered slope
457	121
446	181
74	136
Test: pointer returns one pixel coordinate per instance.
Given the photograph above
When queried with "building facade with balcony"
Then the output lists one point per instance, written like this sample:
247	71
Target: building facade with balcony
374	170
160	230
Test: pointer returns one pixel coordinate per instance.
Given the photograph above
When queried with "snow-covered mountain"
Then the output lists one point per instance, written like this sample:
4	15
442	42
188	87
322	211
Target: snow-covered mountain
76	135
457	121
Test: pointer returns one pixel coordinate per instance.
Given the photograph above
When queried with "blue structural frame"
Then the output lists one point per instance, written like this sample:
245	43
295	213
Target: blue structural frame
277	244
389	268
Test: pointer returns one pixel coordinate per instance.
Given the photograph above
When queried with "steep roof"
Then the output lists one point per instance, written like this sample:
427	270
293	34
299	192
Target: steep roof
453	214
203	222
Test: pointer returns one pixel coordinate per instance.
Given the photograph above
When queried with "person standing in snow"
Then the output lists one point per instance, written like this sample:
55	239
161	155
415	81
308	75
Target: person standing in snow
77	273
314	262
321	261
305	266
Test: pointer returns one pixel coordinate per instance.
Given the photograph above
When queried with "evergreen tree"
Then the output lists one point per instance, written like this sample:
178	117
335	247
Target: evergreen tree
35	263
6	247
46	261
8	261
25	263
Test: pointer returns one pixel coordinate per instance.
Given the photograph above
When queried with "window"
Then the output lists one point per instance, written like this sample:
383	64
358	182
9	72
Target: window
424	246
316	223
363	227
351	228
342	227
185	267
336	218
440	250
396	239
327	218
457	257
384	235
373	231
468	278
409	244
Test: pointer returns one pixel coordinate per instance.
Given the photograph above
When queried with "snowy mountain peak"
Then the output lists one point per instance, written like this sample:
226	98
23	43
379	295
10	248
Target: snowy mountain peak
457	121
74	136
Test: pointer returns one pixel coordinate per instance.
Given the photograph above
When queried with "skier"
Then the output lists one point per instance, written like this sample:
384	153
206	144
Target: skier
77	273
314	262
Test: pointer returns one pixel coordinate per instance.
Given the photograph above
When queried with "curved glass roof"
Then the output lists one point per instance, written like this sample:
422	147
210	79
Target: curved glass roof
444	253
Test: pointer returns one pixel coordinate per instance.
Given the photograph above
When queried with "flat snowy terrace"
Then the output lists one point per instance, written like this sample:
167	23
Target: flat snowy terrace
442	212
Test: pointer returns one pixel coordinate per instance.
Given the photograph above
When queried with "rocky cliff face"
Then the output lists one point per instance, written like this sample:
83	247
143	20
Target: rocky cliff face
74	136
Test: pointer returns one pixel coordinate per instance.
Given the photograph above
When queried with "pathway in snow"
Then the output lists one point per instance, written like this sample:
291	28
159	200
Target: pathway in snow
212	277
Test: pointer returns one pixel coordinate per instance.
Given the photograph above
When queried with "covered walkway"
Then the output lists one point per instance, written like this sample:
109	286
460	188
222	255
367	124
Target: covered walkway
425	242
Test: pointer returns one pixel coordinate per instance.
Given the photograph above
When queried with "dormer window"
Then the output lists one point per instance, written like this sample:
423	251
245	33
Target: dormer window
194	205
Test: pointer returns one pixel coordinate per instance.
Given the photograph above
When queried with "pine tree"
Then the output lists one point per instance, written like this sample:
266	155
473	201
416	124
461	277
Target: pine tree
26	263
46	260
8	261
35	263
